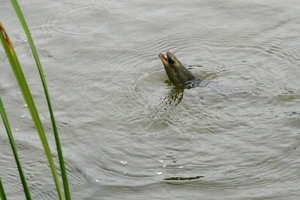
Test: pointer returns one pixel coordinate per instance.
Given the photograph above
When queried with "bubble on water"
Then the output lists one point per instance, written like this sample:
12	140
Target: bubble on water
123	162
22	116
180	167
159	173
98	180
24	106
124	173
16	129
164	166
161	161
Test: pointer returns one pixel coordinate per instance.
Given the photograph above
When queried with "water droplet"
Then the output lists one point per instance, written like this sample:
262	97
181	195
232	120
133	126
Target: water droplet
16	129
98	180
159	173
180	167
164	166
24	106
22	116
161	161
123	162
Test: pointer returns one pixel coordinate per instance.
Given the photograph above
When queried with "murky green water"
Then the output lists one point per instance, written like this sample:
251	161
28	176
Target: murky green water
125	133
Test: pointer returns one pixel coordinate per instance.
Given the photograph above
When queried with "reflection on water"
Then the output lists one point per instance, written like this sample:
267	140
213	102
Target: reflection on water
171	99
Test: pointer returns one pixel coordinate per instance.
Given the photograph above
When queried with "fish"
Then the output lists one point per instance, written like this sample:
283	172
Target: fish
176	72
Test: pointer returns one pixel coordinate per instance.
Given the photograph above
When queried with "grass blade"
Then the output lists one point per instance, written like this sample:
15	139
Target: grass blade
18	72
2	193
14	148
40	69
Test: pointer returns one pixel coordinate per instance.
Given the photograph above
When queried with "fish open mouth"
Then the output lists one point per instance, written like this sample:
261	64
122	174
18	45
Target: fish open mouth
163	58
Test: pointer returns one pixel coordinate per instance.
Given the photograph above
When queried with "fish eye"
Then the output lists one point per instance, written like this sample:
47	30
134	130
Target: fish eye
171	61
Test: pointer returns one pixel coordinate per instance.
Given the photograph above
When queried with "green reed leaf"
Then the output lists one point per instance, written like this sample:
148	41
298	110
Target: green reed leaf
18	72
2	192
40	69
13	146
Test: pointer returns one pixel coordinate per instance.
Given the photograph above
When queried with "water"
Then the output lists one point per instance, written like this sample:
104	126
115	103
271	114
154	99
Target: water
125	132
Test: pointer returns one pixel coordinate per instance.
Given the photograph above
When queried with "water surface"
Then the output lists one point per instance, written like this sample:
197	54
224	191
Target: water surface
126	133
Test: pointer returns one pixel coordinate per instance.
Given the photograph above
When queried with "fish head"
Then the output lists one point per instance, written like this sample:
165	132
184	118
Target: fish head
176	72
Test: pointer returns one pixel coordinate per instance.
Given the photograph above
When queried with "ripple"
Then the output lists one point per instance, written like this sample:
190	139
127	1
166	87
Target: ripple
126	98
281	50
156	92
37	171
80	20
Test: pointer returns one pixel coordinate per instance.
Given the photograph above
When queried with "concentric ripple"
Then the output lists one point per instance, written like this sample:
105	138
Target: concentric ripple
80	20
